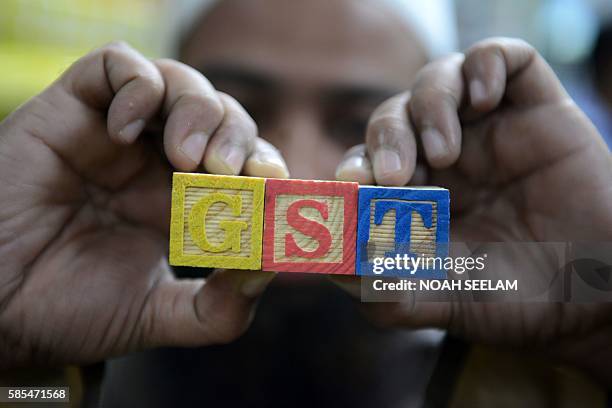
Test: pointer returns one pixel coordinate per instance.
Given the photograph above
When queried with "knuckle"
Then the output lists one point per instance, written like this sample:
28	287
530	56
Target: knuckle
251	128
238	115
177	68
393	104
206	105
164	61
227	98
423	95
168	63
138	67
213	108
519	43
152	81
497	45
156	84
433	68
391	126
223	330
115	50
480	47
427	98
488	44
117	45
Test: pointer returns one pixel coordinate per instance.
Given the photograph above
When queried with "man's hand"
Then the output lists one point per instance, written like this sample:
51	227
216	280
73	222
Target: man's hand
84	211
523	164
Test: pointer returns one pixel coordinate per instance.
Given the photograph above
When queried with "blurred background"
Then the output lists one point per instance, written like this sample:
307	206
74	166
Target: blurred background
40	38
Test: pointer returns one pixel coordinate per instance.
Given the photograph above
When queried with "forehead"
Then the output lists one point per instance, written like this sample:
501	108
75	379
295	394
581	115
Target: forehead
353	41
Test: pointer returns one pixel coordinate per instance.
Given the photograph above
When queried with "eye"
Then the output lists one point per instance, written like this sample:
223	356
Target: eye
256	102
260	110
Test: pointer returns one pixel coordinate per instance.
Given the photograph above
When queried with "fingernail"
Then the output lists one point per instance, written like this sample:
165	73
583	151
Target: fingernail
254	286
270	167
130	132
193	147
386	162
478	92
230	158
434	143
356	168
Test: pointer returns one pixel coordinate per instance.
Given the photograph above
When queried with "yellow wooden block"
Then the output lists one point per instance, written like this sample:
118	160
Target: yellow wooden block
217	221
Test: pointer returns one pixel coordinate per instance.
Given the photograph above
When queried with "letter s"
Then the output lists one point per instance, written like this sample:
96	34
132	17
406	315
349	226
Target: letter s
307	227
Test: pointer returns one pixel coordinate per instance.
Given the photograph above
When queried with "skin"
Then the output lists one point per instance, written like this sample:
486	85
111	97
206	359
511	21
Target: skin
493	124
311	93
519	157
84	273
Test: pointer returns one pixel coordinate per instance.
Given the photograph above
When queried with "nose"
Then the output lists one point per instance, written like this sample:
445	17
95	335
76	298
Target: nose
299	133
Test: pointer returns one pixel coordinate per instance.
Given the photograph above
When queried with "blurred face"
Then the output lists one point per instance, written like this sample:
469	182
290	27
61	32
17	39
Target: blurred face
309	72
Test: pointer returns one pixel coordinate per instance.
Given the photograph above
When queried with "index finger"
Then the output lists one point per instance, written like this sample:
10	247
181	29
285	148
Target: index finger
506	67
436	97
193	110
391	143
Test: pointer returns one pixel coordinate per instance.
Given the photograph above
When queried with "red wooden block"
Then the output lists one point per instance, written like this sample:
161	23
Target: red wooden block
310	226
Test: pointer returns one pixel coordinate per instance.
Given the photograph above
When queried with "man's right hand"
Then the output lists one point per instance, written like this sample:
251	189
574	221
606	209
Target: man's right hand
523	164
84	211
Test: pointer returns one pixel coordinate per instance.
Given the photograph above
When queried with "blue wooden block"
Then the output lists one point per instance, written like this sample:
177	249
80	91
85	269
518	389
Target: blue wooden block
405	223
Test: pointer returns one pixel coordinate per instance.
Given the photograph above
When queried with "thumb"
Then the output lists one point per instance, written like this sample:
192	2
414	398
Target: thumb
200	312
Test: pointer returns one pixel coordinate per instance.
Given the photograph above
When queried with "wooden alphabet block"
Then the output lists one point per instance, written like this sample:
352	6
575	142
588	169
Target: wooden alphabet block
412	221
217	221
310	226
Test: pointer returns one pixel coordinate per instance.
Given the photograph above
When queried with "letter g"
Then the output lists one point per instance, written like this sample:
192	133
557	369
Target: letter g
197	223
